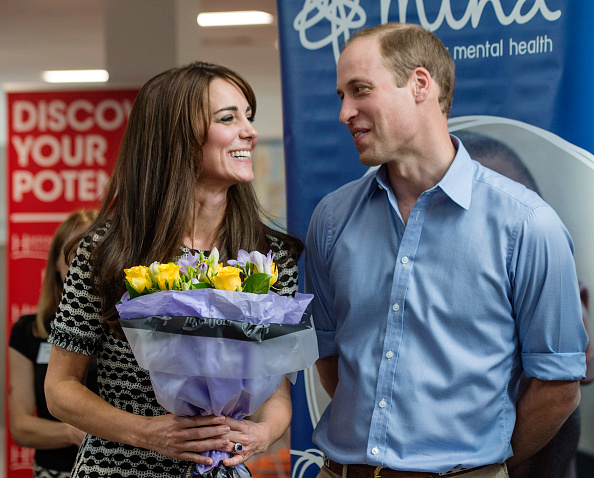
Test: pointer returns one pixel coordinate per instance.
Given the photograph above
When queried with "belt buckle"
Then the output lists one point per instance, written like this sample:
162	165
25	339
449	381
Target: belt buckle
377	472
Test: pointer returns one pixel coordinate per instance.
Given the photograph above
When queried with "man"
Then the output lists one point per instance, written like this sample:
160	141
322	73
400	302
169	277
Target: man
437	282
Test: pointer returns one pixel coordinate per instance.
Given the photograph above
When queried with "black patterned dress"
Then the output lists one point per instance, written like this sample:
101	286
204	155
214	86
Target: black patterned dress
121	382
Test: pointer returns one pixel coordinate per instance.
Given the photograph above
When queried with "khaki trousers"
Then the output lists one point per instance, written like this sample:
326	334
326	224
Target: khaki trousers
491	471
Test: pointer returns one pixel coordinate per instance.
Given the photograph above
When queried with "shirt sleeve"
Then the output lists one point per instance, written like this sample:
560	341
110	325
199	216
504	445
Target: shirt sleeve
546	299
19	337
317	278
78	326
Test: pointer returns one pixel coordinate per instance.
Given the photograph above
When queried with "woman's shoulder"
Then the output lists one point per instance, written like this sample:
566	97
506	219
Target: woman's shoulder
98	233
286	256
90	240
276	243
284	245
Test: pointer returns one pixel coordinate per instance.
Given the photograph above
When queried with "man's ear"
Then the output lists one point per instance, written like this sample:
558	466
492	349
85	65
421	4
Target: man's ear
421	83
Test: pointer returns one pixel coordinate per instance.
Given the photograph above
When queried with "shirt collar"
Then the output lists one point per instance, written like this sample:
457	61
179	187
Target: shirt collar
457	182
379	181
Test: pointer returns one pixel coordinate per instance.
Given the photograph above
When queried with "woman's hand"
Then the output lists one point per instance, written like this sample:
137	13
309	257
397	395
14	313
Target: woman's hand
183	438
254	438
260	430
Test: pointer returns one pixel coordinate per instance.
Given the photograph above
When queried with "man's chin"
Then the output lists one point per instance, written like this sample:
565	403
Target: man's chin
369	161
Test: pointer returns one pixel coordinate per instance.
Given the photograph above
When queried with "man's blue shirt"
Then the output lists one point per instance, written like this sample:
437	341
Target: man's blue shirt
434	321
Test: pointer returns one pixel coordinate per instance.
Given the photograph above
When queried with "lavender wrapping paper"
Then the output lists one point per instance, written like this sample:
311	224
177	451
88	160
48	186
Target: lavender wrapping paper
196	368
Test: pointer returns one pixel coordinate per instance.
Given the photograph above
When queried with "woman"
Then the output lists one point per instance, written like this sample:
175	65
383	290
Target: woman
31	424
181	183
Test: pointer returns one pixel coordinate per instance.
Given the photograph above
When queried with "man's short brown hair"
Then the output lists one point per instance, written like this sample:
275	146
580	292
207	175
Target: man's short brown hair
406	46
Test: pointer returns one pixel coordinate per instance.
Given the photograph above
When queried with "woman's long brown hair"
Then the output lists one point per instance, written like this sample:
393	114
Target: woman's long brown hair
149	199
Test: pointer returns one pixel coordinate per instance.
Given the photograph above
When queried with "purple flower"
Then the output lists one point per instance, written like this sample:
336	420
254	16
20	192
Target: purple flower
200	272
242	259
191	261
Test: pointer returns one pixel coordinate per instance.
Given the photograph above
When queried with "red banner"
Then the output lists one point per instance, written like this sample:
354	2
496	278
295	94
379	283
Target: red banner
61	150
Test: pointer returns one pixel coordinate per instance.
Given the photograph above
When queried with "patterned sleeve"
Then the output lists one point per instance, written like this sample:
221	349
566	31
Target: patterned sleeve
78	326
286	283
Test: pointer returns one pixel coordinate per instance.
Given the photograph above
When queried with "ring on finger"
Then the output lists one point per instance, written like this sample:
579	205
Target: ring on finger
238	447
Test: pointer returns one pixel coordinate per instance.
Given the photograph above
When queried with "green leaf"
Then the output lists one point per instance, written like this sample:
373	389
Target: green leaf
258	283
201	285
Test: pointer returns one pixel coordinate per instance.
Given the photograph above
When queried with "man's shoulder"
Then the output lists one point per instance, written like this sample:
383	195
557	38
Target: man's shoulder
506	189
335	209
350	192
509	204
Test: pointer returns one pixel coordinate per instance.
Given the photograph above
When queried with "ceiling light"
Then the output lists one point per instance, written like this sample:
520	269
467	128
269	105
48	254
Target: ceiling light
219	19
75	76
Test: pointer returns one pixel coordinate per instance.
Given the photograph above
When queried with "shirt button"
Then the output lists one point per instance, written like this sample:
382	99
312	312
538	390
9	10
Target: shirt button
395	307
374	450
389	354
404	260
382	404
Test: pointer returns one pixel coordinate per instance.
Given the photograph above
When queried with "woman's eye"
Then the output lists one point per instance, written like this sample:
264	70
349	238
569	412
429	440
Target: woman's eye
226	119
251	118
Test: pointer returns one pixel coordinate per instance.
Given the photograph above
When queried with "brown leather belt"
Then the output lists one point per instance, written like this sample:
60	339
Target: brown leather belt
366	471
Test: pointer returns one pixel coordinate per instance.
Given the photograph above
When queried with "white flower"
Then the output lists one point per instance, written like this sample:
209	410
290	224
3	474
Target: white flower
263	263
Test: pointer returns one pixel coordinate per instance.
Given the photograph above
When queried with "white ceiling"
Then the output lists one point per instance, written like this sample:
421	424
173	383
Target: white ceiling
37	35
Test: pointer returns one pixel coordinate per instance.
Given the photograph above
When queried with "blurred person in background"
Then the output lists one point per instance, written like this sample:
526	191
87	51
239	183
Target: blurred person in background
31	424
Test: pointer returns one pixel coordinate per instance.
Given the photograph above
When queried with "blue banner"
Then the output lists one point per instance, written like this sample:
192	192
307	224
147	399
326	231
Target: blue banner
524	70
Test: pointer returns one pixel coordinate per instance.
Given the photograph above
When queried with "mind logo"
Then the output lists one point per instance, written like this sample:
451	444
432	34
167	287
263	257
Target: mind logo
338	18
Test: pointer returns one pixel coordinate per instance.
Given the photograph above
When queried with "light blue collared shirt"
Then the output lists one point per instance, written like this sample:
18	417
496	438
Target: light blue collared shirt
434	322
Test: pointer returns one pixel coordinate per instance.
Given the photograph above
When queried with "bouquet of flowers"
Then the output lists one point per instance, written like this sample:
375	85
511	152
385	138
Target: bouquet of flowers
217	340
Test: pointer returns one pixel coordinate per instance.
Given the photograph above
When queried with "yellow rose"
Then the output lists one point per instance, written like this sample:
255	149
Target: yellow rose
227	278
167	272
139	279
273	273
